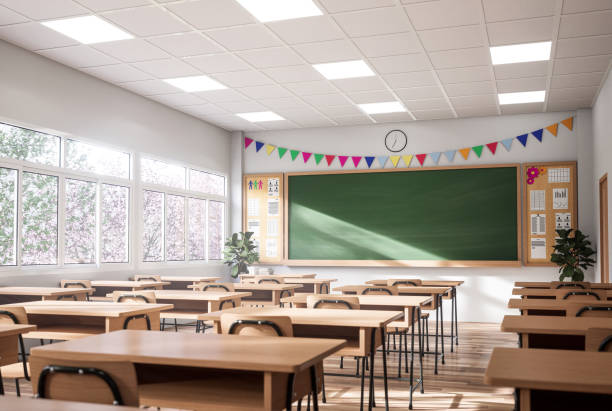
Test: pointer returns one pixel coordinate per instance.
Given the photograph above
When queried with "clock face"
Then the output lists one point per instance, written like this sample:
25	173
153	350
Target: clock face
396	140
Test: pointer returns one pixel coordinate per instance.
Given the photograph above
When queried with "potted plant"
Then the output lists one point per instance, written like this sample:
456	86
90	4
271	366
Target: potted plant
572	254
239	252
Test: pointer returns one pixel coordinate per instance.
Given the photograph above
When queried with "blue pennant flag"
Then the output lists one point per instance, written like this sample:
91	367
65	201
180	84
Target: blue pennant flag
258	145
538	134
435	157
369	161
450	154
383	160
507	143
523	139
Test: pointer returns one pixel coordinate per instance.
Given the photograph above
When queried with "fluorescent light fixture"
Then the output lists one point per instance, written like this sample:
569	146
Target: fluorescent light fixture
275	10
258	116
386	107
344	69
88	29
522	97
195	83
521	53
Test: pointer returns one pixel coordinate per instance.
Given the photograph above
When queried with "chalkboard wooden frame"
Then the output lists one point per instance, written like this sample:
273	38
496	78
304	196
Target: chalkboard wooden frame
404	263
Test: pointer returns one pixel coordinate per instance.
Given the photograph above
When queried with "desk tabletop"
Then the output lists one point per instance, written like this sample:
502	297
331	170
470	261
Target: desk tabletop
307	316
381	300
14	403
193	278
277	354
546	284
551	292
12	329
309	280
89	308
557	370
265	287
43	291
549	304
278	275
544	324
126	283
401	289
195	295
424	283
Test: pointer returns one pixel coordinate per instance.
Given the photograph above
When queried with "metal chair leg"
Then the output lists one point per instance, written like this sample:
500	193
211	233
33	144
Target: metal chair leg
17	387
175	326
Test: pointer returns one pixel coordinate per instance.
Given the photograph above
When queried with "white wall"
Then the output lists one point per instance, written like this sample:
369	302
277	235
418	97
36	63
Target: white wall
486	291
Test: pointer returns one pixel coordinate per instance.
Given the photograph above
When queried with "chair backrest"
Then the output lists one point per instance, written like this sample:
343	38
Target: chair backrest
580	295
267	279
583	285
13	315
598	339
75	284
216	287
256	325
586	310
102	382
140	296
379	290
147	277
337	302
406	282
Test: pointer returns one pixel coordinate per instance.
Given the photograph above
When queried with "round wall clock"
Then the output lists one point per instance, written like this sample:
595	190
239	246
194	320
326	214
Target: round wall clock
396	140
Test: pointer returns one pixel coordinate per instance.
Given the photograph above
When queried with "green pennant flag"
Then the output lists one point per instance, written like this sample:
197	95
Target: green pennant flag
478	150
318	158
281	151
294	154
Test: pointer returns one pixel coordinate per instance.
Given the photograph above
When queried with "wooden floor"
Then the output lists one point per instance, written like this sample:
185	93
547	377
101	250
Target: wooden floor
458	386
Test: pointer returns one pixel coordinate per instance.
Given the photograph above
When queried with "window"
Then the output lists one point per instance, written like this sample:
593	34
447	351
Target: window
23	144
197	229
153	230
39	227
206	182
8	216
215	229
80	222
115	223
87	157
175	228
161	173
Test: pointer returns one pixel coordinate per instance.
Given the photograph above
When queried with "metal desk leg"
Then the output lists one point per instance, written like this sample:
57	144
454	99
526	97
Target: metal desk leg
421	341
288	401
384	355
442	327
362	359
452	320
437	334
411	357
372	401
313	387
456	316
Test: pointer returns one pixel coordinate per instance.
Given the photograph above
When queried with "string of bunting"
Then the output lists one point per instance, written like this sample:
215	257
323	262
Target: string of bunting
407	159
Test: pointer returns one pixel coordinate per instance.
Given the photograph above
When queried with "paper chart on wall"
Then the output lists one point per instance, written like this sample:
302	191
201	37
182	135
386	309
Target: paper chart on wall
273	184
558	175
273	207
537	200
253	207
538	248
563	221
253	225
538	224
560	198
272	229
271	247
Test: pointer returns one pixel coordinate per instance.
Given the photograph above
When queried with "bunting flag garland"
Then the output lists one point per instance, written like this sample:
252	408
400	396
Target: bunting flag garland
435	157
553	128
450	155
407	159
342	160
394	160
538	134
318	158
492	147
369	160
569	123
478	150
465	152
421	158
270	148
356	160
281	152
247	142
306	156
294	154
329	159
382	160
523	139
507	143
258	145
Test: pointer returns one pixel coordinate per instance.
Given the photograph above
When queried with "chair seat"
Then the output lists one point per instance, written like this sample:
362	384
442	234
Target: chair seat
397	326
424	315
103	299
13	371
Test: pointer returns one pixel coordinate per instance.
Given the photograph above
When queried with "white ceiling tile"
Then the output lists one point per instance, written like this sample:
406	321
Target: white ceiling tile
117	73
577	80
513	85
373	22
244	37
45	9
268	91
338	6
206	14
413	79
306	30
444	13
476	111
581	6
338	111
242	106
218	96
186	44
589	24
300	113
328	51
293	74
433	114
204	109
167	68
132	50
360	84
465	74
352	120
522	108
471	101
417	93
366	97
8	16
147	21
520	31
149	87
452	38
567	105
178	99
243	78
584	46
271	57
34	36
392	117
276	125
217	63
78	56
309	88
326	100
400	64
518	70
501	10
582	64
577	93
314	122
282	103
427	104
478	56
469	89
105	5
395	44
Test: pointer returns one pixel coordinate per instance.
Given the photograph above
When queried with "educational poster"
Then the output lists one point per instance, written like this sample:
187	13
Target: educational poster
538	224
263	214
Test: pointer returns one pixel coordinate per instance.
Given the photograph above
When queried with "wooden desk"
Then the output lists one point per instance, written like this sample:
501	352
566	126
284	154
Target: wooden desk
553	379
544	284
67	320
105	287
265	294
9	343
550	293
312	285
180	282
10	295
14	403
284	276
547	307
209	363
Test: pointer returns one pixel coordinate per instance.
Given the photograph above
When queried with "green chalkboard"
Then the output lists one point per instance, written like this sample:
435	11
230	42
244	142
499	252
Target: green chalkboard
453	214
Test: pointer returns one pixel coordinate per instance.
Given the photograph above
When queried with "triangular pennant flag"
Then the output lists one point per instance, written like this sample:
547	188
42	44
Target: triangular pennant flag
369	161
342	160
407	159
478	150
523	139
329	159
569	123
306	156
258	145
394	160
382	160
492	147
538	134
450	154
294	154
421	158
270	148
465	152
507	143
281	152
247	142
356	160
553	129
435	157
318	158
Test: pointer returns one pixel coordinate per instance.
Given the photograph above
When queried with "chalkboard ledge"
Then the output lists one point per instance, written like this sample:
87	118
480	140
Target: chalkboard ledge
403	263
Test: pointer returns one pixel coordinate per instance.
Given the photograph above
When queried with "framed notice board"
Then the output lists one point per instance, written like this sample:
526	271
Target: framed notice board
263	214
550	202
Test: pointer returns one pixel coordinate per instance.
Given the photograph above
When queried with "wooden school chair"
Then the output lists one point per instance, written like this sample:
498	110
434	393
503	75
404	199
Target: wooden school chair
138	297
586	310
21	369
75	284
580	295
407	282
598	339
380	290
269	279
215	287
147	277
337	302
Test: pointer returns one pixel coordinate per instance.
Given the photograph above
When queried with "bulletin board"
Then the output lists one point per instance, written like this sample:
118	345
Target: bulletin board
263	214
550	201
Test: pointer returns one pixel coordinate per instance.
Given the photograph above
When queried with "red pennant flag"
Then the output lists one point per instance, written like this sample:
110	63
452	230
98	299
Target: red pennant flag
492	147
356	160
247	142
329	159
342	160
306	156
421	158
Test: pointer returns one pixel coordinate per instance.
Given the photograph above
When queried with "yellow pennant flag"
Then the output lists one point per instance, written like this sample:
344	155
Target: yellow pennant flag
270	148
407	159
553	129
569	123
465	152
394	160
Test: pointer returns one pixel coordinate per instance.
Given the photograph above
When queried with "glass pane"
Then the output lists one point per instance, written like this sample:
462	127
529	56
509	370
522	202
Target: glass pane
23	144
153	219
80	228
158	172
39	228
206	182
197	229
215	229
175	228
8	216
87	157
115	221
